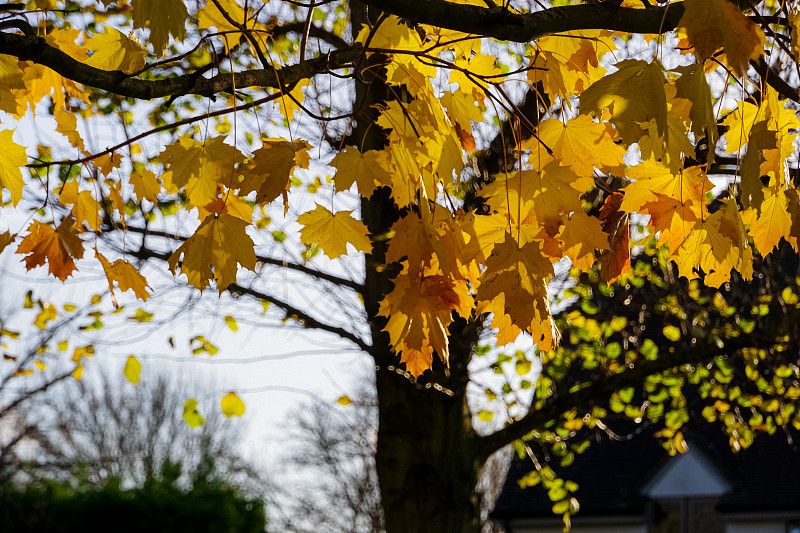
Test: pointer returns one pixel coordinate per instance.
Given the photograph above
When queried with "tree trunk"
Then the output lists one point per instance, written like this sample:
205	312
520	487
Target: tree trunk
426	458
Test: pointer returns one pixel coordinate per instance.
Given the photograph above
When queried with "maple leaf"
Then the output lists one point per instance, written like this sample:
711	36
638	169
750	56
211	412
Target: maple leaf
113	50
714	24
164	18
633	94
582	144
58	247
126	276
67	125
12	156
420	309
10	80
333	232
6	238
771	223
363	169
270	168
85	207
213	252
145	185
191	415
580	236
199	167
515	284
617	260
567	63
693	86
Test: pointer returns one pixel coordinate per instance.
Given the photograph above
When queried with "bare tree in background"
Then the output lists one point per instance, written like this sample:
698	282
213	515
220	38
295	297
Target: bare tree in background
98	429
334	486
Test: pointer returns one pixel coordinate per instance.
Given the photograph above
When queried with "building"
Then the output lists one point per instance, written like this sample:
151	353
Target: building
634	486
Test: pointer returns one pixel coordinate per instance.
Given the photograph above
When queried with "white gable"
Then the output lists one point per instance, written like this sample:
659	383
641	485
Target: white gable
687	475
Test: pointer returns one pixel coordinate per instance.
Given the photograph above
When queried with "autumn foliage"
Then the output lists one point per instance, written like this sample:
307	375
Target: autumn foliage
443	161
632	118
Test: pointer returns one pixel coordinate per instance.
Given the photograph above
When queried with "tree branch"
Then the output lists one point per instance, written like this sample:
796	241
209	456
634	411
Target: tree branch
307	320
30	47
601	389
502	24
342	282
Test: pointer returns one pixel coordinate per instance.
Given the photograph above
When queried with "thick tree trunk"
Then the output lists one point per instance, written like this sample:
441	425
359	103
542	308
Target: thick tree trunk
426	458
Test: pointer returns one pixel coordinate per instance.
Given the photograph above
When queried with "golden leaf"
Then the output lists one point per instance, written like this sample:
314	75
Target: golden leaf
126	276
333	232
12	156
132	370
714	24
113	50
165	18
219	243
232	405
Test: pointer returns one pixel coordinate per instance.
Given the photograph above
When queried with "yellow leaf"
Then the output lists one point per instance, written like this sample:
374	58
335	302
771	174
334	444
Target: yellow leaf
333	232
126	276
164	18
190	414
268	172
693	86
210	16
220	242
145	185
113	50
77	373
363	169
289	103
64	40
477	65
40	365
773	223
231	323
420	309
57	247
515	284
232	405
132	370
344	400
10	80
582	144
714	24
739	123
461	108
633	94
794	23
199	167
85	207
12	156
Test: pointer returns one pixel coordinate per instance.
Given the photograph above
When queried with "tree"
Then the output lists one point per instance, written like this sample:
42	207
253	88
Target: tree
103	429
447	208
